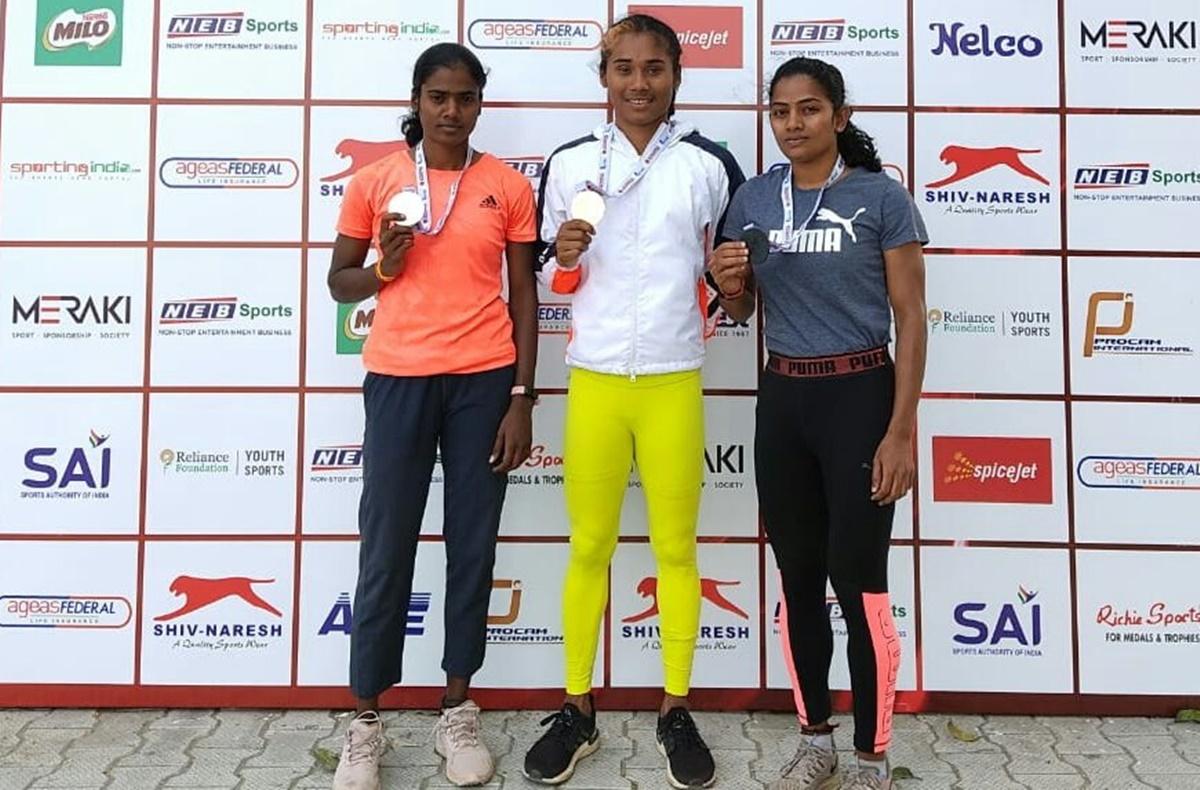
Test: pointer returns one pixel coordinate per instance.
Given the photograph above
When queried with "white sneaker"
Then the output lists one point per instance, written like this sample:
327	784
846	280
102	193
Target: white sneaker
456	737
812	768
866	779
358	768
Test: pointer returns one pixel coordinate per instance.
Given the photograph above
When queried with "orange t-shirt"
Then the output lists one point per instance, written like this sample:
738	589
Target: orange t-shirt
445	312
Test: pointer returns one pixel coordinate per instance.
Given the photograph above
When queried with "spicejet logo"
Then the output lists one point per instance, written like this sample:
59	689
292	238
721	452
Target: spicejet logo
711	36
1000	469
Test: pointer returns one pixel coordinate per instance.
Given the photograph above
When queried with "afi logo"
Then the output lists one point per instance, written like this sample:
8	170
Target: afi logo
972	161
362	153
709	591
198	593
512	609
341	617
950	40
78	468
984	625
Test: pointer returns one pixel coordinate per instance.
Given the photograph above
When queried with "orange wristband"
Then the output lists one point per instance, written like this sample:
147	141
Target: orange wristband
383	278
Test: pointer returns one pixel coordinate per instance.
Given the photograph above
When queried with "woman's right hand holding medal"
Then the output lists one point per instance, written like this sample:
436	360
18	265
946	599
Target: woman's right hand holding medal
729	265
574	237
395	240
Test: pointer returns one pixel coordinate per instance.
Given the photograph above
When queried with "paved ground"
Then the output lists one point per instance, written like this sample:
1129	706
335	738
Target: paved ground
127	750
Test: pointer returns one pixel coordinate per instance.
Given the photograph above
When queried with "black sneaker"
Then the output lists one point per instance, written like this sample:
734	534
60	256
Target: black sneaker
689	763
571	737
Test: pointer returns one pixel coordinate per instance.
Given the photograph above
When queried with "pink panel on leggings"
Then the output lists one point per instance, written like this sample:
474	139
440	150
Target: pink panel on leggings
886	645
784	637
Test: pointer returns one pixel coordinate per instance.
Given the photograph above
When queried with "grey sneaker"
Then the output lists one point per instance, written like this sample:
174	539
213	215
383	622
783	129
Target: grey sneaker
456	737
866	779
358	768
811	768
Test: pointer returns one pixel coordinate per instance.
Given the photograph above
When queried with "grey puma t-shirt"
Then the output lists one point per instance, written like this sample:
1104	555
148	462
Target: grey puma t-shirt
829	297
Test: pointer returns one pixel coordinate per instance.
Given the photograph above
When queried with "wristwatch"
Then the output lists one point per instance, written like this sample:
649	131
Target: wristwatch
527	391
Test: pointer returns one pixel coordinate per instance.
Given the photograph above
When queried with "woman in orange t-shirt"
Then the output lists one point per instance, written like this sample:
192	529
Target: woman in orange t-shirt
449	366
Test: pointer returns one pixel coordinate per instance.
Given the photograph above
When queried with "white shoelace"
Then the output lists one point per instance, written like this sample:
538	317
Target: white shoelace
462	727
813	768
359	749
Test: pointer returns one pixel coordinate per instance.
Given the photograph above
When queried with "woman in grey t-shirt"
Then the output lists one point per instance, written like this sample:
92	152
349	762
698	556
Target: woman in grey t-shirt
834	246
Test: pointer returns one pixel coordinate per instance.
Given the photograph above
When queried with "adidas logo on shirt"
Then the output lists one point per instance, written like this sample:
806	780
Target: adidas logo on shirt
489	202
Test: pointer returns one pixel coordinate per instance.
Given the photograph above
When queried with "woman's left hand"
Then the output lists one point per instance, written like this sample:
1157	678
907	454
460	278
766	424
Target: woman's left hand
892	470
513	440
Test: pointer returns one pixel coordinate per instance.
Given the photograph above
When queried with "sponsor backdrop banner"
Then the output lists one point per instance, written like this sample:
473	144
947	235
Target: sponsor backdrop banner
180	415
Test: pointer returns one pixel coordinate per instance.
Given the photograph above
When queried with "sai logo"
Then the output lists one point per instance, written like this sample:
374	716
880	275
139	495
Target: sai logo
354	322
78	33
85	467
1013	629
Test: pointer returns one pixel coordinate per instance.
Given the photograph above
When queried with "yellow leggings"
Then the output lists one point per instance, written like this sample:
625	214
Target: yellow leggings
611	421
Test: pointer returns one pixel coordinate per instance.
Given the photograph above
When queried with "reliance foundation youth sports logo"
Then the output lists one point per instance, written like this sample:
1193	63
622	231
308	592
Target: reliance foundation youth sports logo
548	34
1161	473
1012	629
1000	323
340	619
1155	624
64	611
228	172
992	469
78	33
719	594
968	162
711	36
82	472
202	631
1116	338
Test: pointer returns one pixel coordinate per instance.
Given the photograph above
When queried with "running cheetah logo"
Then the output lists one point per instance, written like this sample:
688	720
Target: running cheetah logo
971	161
847	223
362	153
199	593
709	591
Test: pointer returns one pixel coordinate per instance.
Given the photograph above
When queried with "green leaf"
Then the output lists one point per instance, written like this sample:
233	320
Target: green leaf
900	772
1188	714
959	734
325	758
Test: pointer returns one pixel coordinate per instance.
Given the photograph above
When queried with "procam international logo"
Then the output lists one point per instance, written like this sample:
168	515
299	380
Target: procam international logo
78	33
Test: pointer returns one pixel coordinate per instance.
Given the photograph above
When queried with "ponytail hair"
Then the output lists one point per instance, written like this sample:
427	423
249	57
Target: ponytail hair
856	147
444	55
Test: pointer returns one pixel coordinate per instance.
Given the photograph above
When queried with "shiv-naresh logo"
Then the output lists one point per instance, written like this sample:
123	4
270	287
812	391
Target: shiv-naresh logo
362	153
199	593
969	161
710	590
992	469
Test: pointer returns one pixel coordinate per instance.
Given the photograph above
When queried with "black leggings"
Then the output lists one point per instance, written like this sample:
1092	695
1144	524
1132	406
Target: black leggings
814	445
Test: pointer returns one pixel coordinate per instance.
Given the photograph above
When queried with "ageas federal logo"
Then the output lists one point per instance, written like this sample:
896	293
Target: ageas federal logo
340	619
1017	166
1140	472
80	472
228	172
79	33
1011	628
545	34
65	611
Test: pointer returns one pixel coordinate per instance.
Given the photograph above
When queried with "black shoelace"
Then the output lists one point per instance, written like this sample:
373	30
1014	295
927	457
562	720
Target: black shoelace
563	723
682	730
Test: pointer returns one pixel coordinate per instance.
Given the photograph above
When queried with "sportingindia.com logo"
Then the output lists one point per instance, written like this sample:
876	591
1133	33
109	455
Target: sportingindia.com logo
57	170
383	31
194	172
559	34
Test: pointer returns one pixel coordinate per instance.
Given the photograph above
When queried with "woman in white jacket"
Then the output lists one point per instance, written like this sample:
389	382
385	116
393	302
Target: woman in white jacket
627	216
